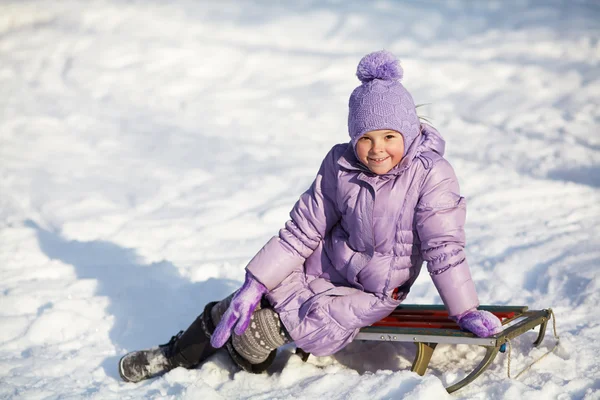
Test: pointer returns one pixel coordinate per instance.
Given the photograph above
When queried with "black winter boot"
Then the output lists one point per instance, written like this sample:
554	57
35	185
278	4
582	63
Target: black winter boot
186	349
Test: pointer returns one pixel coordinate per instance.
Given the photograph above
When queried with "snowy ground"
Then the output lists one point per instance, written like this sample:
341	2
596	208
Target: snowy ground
149	149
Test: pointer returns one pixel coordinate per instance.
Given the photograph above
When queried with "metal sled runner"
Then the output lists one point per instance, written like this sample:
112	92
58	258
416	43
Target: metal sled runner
428	325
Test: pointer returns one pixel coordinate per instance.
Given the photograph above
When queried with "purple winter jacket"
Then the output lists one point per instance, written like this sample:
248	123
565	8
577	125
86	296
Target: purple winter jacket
355	236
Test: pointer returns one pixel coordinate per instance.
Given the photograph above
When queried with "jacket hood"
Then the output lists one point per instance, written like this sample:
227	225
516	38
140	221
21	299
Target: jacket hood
429	139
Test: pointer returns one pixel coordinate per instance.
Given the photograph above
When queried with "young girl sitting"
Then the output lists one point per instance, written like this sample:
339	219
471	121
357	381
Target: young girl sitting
379	206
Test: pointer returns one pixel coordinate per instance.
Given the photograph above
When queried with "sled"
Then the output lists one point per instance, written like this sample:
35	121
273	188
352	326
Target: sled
428	325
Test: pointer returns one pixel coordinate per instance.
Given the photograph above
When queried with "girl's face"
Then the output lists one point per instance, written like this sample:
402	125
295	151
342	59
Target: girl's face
380	150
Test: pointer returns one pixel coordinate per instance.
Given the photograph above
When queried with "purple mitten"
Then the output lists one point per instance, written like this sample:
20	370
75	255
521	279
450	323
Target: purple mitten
481	323
240	310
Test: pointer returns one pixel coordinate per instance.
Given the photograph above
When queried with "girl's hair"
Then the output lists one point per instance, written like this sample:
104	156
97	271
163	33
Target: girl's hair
423	118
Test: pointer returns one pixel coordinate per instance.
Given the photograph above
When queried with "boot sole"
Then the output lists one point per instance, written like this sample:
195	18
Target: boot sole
121	370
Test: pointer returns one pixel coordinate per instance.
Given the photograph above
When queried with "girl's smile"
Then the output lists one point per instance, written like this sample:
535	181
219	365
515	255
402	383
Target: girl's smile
378	160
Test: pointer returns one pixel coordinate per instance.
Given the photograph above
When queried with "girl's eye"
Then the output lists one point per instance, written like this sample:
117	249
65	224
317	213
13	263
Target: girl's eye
390	137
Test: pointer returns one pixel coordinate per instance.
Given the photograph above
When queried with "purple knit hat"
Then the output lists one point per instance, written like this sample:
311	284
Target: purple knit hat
381	102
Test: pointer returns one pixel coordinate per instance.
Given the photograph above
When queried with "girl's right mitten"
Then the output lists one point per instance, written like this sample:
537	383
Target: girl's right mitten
237	316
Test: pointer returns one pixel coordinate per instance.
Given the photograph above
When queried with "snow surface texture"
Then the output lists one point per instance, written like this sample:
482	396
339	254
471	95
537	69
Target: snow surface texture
149	149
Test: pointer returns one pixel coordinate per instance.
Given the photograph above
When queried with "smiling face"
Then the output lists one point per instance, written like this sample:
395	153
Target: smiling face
380	150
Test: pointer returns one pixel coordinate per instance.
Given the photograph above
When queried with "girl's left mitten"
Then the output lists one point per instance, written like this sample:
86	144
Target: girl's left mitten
481	323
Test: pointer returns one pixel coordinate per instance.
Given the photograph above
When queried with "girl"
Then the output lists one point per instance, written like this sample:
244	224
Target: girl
380	205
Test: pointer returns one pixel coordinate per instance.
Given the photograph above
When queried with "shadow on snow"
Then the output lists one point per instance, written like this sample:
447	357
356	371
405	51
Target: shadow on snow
149	302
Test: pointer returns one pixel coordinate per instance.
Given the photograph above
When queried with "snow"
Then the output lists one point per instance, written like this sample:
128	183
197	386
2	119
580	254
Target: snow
149	149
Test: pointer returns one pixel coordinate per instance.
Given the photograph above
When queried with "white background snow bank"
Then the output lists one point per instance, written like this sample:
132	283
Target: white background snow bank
149	149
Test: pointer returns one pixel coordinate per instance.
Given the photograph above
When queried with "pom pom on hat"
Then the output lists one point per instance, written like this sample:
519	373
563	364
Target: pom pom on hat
379	65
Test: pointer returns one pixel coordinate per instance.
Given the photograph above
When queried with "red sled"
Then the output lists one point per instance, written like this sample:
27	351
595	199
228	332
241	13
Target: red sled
428	325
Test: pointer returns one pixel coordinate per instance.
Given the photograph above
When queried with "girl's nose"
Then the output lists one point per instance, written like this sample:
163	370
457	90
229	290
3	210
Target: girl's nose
377	146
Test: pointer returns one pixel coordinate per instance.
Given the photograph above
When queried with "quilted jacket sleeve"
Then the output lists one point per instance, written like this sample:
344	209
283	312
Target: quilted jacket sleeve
440	220
313	215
